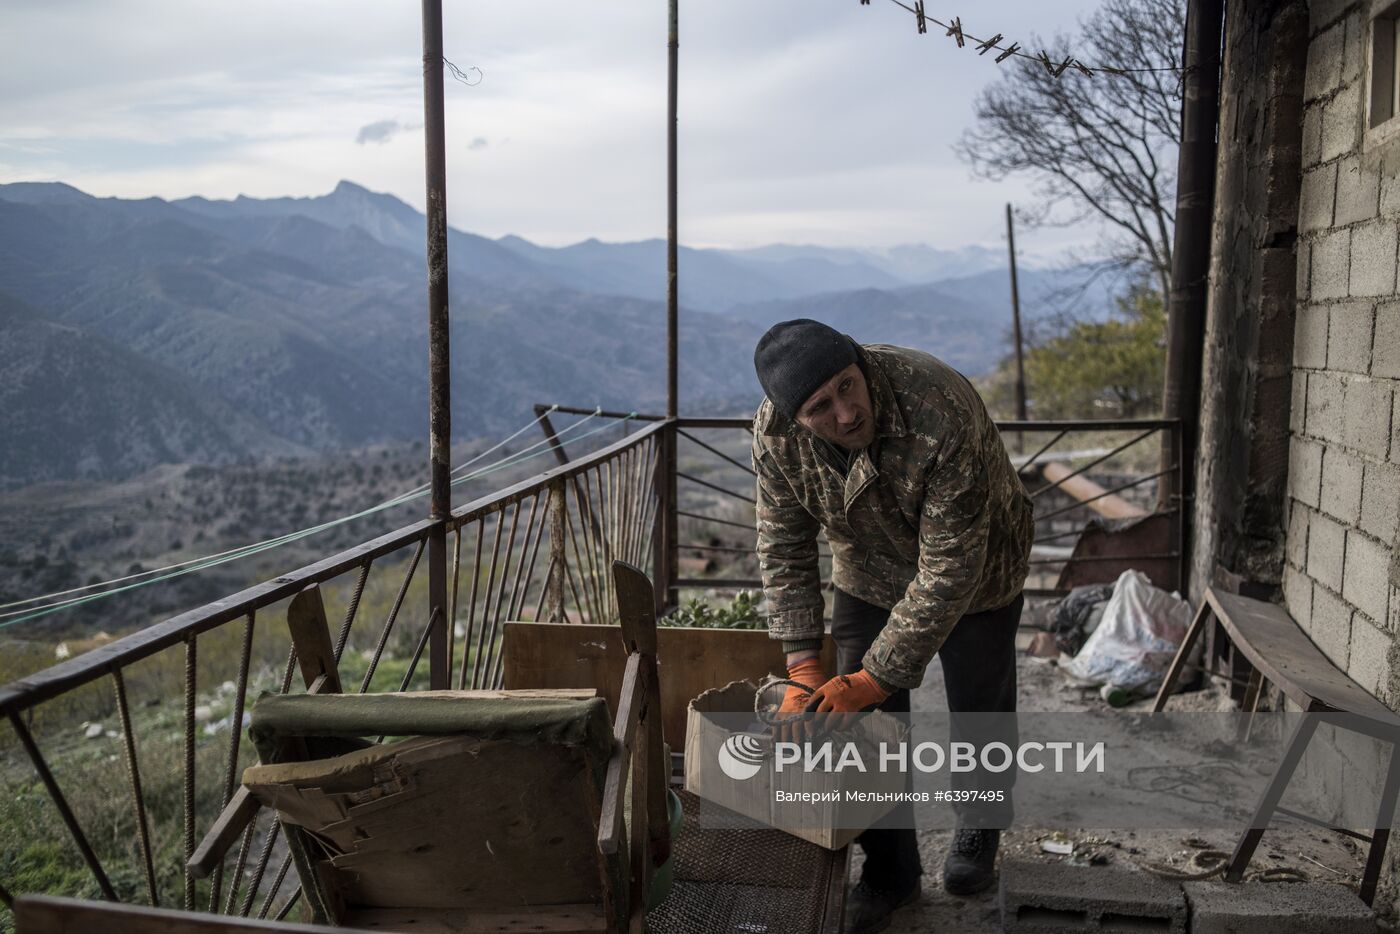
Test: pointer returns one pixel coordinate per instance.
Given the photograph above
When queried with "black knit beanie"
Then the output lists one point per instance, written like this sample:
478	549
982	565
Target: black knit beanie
796	357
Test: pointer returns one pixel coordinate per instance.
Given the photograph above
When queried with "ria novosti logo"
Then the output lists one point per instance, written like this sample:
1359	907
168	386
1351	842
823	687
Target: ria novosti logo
742	755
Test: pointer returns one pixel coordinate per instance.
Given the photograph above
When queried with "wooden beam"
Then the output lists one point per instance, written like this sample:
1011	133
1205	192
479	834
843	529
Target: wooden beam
41	914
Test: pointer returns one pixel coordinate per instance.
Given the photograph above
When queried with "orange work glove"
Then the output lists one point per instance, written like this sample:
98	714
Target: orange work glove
808	671
847	694
791	725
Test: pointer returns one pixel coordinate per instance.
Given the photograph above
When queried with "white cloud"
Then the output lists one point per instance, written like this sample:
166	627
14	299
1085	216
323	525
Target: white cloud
821	122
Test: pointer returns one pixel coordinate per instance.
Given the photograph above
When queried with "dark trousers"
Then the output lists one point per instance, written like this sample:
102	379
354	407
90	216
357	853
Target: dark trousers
979	674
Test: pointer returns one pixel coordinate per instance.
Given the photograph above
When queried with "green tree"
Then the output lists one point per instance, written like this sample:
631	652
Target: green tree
1093	369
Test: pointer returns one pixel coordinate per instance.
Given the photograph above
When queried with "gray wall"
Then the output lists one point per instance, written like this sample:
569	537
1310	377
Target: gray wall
1339	580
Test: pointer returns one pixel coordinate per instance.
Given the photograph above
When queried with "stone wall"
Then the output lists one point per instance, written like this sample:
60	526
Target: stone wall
1340	579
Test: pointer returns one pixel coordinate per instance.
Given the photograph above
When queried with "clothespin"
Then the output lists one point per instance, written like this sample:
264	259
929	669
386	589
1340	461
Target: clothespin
919	16
865	2
1044	59
1113	71
1084	69
1060	68
955	31
1010	51
984	47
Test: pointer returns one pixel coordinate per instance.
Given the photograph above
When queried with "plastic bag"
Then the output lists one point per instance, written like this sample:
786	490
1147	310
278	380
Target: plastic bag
1071	622
1141	630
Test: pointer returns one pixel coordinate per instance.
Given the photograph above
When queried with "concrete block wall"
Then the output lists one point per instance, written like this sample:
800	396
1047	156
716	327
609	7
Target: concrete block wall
1340	580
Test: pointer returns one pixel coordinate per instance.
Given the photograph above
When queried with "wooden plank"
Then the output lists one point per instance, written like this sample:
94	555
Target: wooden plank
547	919
228	827
311	637
41	914
1109	505
1277	646
624	733
689	661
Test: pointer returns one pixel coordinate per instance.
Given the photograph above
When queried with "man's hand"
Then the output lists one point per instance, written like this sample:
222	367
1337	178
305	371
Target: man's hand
847	694
805	669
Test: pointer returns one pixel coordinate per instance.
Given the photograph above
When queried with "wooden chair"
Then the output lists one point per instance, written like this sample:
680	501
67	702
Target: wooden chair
500	811
1278	651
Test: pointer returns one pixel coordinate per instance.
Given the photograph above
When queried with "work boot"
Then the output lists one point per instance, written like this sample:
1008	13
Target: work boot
971	862
868	909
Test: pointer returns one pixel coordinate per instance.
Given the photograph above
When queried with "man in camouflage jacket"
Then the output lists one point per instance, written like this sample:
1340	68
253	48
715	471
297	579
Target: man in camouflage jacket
892	454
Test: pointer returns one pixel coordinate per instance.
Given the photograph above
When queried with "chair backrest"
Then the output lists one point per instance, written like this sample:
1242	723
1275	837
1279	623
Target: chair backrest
491	803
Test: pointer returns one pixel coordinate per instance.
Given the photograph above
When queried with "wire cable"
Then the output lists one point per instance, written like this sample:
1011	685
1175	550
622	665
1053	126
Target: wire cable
20	616
181	564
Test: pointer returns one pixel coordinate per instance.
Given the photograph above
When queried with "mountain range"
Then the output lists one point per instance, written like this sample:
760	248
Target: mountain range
146	331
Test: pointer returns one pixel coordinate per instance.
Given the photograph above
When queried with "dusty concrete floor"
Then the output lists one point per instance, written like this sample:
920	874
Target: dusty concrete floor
1319	855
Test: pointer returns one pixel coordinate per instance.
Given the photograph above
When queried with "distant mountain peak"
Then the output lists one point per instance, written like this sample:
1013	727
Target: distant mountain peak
347	187
44	193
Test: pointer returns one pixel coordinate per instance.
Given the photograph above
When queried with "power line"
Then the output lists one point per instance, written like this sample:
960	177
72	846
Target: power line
1054	66
180	564
198	564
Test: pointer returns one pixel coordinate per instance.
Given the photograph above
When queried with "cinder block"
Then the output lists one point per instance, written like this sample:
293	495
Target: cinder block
1326	401
1327	540
1331	264
1395	432
1298	402
1373	259
1324	69
1349	329
1370	651
1366	422
1318	196
1277	908
1303	271
1055	898
1297	596
1352	50
1385	348
1341	123
1323	13
1341	485
1390	183
1331	625
1380	501
1312	134
1358	192
1296	546
1304	469
1310	337
1366	583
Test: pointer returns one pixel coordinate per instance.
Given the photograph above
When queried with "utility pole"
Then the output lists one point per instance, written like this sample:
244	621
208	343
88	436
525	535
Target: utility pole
1016	327
664	571
439	391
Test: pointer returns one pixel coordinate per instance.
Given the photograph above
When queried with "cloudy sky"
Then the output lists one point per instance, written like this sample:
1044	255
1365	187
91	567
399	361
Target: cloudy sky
802	121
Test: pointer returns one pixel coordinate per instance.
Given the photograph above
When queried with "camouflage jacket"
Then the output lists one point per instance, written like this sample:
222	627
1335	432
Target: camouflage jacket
931	520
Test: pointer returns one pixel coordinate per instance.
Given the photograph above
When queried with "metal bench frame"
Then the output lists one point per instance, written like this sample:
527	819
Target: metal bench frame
1277	650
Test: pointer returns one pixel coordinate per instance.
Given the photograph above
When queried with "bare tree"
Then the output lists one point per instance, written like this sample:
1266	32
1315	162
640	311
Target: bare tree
1101	147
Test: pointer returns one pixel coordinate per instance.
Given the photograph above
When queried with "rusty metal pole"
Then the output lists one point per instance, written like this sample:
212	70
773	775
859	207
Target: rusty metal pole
439	392
667	594
1016	327
1186	305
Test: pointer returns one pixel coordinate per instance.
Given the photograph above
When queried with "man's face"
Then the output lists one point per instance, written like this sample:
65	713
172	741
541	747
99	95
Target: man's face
839	411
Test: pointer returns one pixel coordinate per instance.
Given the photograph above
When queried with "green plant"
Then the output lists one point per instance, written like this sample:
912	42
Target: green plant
742	613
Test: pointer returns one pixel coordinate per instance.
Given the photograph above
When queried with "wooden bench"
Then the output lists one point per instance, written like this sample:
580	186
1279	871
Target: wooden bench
1276	650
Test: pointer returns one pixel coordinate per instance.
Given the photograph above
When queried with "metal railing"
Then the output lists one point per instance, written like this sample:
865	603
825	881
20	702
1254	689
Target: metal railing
539	549
675	495
715	491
